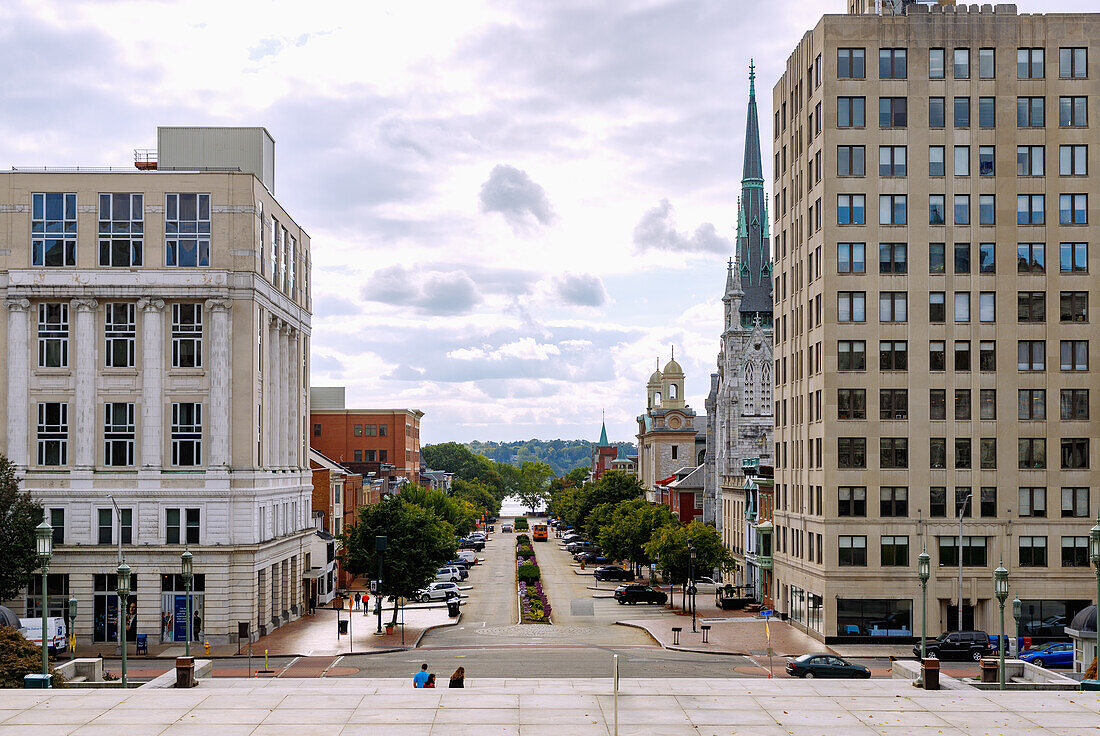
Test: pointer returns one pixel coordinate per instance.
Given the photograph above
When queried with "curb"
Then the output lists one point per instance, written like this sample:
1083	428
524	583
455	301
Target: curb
436	626
679	648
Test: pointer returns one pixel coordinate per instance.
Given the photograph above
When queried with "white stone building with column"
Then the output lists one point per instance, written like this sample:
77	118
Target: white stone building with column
156	352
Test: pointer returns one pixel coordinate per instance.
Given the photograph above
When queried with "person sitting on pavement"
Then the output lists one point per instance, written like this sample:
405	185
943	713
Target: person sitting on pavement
431	681
421	677
458	679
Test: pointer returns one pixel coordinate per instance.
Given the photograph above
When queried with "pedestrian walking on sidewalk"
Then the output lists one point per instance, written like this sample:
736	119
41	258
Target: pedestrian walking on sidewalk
357	599
458	678
421	677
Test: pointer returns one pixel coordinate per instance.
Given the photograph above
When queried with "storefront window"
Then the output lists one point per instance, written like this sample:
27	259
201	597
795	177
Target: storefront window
57	596
173	607
1048	618
105	608
874	617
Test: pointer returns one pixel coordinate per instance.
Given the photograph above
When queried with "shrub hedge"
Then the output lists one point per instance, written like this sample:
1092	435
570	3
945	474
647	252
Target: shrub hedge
528	573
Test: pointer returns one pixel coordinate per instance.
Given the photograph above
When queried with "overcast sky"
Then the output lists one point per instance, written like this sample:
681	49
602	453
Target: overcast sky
515	208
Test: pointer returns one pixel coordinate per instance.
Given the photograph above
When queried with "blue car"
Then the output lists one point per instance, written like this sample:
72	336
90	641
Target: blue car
1052	655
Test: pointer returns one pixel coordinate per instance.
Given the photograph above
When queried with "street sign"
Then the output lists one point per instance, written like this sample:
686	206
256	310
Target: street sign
374	586
767	612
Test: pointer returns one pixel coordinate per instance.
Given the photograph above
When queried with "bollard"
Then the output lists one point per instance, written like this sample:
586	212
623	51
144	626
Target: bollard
676	635
615	677
706	633
930	673
185	672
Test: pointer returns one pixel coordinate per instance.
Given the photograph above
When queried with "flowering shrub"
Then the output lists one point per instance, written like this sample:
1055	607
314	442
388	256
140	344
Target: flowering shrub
533	602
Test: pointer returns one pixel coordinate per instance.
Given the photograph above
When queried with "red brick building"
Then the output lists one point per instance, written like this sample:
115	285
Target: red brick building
382	442
683	493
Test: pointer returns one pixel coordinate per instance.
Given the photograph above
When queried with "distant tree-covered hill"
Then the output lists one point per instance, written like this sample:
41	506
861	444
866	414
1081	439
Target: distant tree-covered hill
561	455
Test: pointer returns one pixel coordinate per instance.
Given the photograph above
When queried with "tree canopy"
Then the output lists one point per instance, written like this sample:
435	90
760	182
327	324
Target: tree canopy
418	542
670	544
458	512
561	455
534	483
631	526
476	493
19	515
465	464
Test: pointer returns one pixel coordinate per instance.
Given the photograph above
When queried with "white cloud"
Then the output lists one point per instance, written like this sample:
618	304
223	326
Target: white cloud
657	231
522	202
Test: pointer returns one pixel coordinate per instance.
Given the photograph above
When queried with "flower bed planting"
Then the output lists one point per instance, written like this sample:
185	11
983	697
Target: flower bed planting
534	606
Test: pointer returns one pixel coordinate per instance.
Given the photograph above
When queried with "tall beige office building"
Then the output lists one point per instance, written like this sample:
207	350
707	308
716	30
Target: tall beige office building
155	366
935	230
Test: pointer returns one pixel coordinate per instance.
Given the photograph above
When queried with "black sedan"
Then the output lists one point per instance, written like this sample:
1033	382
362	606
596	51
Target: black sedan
474	544
825	665
639	594
611	572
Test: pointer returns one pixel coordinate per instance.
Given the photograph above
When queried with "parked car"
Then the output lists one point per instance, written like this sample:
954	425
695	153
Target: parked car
1052	655
958	645
706	586
575	547
825	665
437	592
461	564
451	574
474	544
468	555
592	558
612	572
634	593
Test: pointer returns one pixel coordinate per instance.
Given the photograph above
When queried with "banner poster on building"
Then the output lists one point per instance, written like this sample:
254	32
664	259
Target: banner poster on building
179	615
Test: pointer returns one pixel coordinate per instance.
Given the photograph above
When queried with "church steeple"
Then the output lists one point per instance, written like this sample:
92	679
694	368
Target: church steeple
753	251
603	433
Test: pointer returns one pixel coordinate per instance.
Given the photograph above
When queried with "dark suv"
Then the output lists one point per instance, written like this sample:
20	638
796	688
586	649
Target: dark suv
612	572
958	645
639	594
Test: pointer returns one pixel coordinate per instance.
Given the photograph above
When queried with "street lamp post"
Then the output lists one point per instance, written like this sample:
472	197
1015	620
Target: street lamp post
923	573
380	544
72	626
43	537
1000	590
962	512
123	590
1094	554
187	572
691	583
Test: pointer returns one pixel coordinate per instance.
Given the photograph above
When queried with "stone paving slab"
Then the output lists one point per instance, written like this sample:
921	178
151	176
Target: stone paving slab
561	707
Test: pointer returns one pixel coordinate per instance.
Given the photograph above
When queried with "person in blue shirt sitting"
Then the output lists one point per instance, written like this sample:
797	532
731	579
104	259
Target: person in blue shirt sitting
421	677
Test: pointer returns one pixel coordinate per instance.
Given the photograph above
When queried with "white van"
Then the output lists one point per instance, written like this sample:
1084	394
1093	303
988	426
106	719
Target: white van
469	555
56	636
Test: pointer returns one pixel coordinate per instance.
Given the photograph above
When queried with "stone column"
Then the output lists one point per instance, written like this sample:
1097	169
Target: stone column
219	413
284	395
18	377
152	383
294	416
84	365
273	379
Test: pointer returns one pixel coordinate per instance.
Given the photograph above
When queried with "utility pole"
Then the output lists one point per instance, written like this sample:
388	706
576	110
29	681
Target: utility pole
962	512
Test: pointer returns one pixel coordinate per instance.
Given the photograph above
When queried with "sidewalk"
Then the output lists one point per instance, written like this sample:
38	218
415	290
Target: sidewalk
310	635
529	707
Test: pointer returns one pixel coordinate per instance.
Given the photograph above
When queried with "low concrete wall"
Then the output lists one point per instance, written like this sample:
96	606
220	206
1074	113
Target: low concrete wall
88	668
203	668
1021	675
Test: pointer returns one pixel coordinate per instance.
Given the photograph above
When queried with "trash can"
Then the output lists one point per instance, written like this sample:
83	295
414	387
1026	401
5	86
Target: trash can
185	672
989	670
452	607
37	681
930	673
343	627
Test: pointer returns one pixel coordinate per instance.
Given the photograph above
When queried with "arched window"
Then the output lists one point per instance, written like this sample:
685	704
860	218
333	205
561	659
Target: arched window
657	399
750	404
671	391
765	387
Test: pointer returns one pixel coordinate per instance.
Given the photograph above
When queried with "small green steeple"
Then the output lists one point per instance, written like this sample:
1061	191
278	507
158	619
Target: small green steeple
603	434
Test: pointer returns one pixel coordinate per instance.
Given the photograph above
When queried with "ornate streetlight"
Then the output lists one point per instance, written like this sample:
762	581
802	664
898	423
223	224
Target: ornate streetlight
72	626
1094	554
187	572
691	588
123	590
1000	590
43	538
924	571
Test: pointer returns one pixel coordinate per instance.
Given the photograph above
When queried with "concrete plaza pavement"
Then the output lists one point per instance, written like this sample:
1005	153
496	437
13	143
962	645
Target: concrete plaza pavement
551	707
